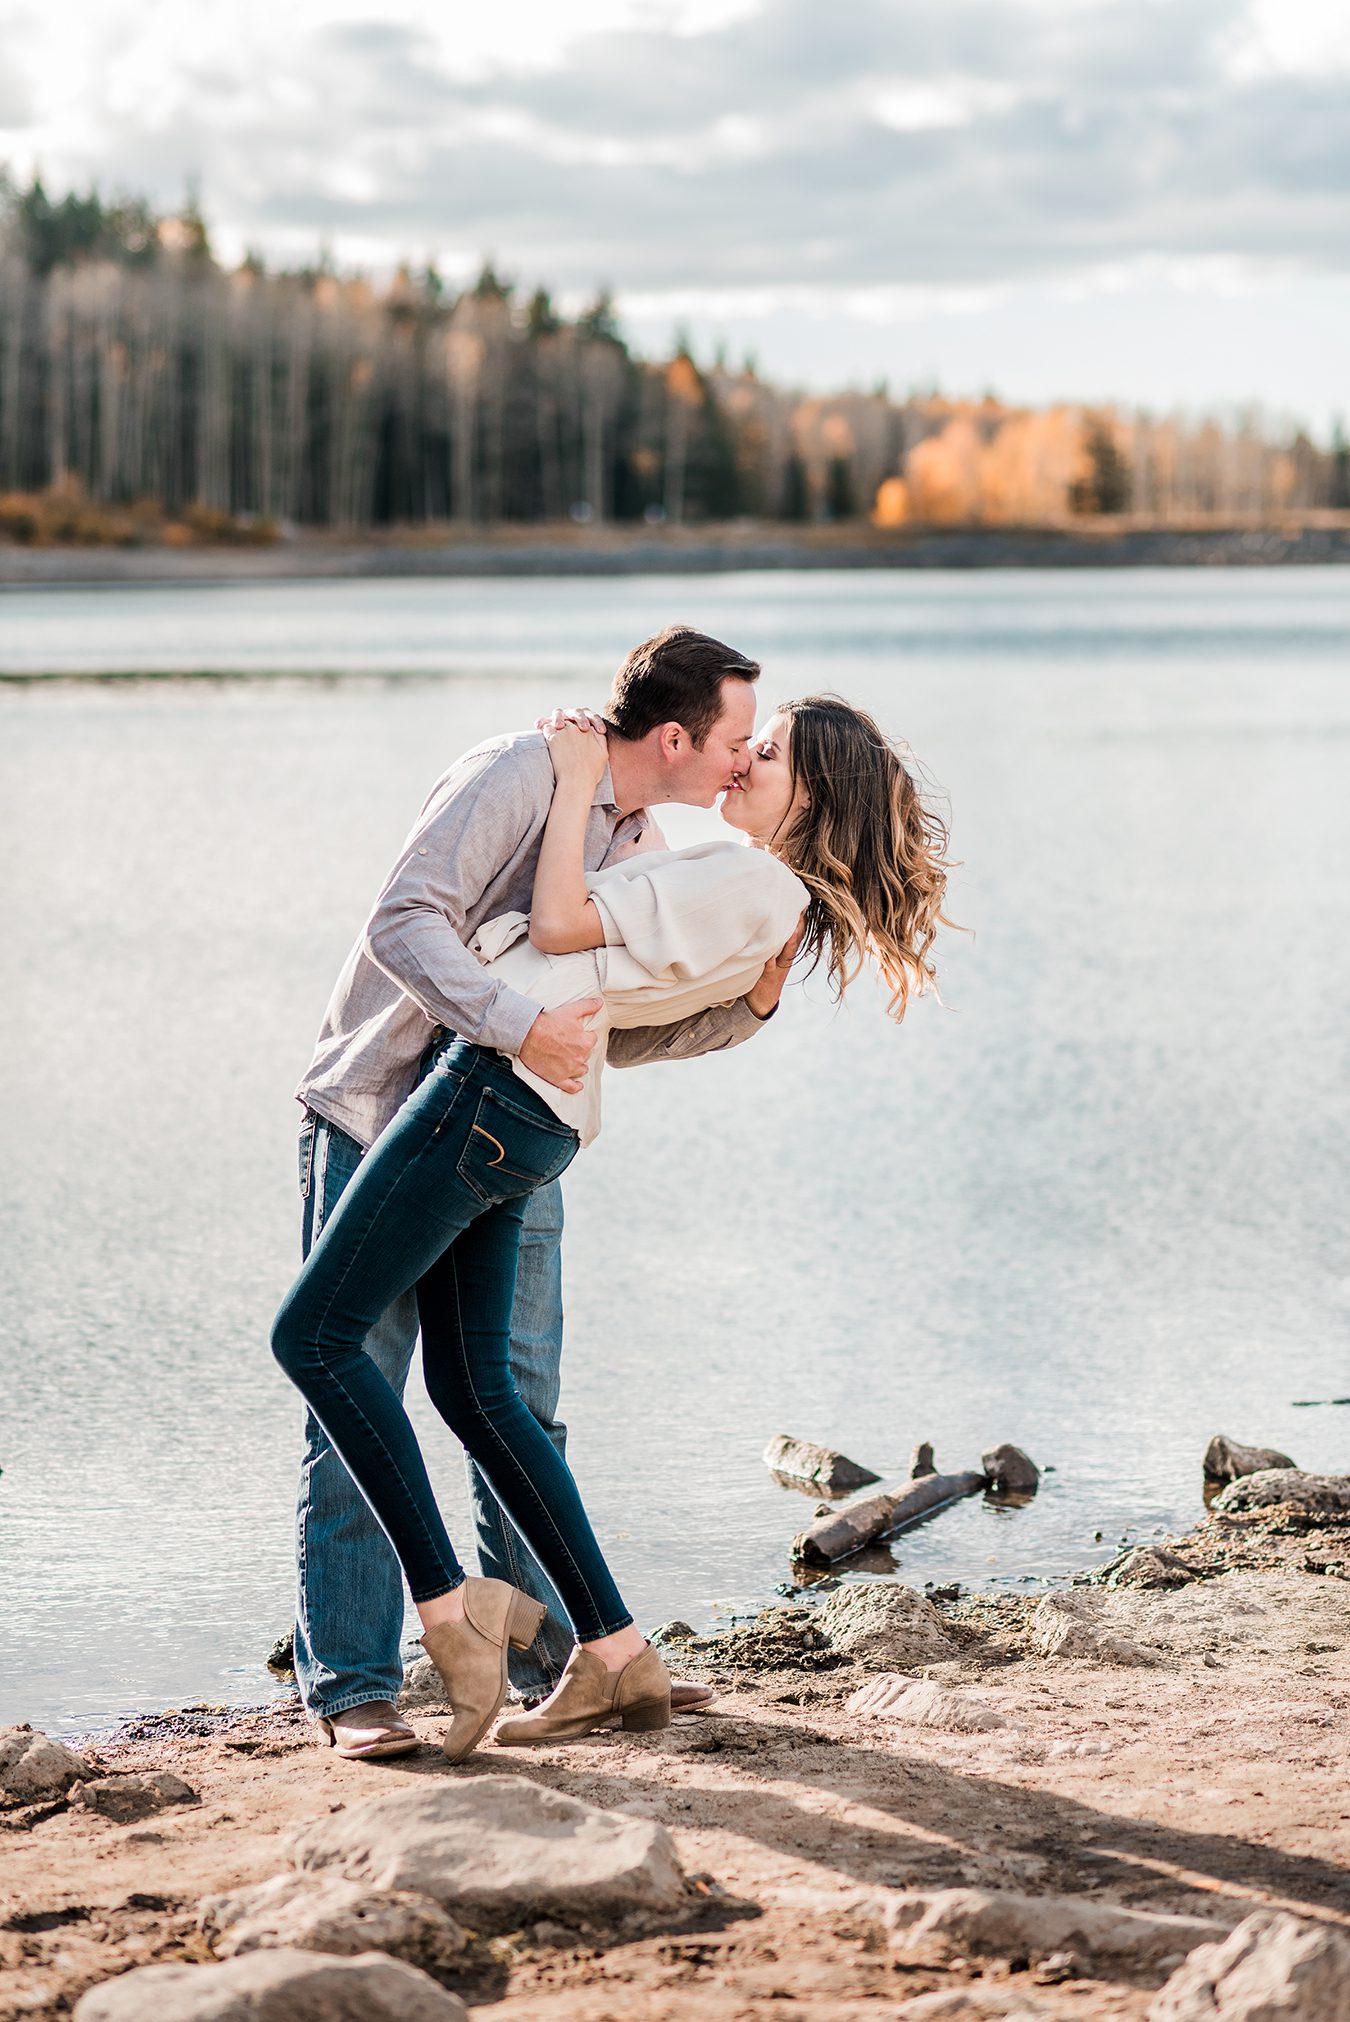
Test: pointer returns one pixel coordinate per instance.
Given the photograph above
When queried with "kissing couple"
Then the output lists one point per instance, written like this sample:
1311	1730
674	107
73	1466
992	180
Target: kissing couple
534	930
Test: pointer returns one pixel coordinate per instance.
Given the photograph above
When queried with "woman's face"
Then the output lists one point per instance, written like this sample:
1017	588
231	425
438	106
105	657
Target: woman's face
767	800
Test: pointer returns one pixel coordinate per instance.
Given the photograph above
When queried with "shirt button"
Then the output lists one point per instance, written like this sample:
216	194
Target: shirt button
421	853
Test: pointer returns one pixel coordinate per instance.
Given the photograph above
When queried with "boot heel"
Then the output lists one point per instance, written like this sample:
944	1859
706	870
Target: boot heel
647	1717
524	1620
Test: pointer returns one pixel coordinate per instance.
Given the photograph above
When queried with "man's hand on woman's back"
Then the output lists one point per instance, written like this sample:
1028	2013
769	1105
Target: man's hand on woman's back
559	1044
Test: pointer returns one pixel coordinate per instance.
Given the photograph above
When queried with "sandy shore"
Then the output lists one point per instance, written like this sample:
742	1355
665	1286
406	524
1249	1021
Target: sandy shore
1207	1774
608	551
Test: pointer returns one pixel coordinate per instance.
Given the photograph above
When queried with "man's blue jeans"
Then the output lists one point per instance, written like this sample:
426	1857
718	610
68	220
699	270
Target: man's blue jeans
349	1610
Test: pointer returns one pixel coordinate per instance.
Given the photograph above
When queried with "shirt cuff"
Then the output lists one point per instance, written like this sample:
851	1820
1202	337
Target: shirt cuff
507	1025
761	1017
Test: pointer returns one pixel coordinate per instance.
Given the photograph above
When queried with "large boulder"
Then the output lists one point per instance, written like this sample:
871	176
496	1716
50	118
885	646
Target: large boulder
34	1767
1272	1968
887	1626
1228	1460
274	1987
325	1913
1074	1625
498	1850
1290	1487
995	1923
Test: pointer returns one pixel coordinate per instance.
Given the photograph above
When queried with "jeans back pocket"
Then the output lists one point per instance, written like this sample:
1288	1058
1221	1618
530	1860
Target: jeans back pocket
510	1151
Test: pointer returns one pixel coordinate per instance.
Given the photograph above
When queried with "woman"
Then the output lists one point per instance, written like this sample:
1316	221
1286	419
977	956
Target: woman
846	845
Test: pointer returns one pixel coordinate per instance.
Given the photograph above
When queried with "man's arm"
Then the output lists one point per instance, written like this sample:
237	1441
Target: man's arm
471	827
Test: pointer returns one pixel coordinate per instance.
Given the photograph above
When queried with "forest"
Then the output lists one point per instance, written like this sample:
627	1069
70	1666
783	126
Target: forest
143	380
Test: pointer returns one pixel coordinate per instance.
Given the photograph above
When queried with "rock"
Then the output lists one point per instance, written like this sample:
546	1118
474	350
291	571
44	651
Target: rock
34	1767
498	1851
921	1702
324	1913
1272	1968
281	1657
1072	1626
1011	1470
993	1923
671	1632
1314	1494
1275	1613
966	2004
123	1798
1150	1566
1227	1460
423	1685
884	1625
921	1461
820	1466
274	1987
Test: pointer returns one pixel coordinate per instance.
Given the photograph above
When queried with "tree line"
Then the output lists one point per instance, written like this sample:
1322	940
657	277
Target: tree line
135	366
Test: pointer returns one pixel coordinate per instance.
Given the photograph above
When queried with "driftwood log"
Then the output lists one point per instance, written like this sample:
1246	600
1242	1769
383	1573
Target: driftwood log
836	1534
847	1530
816	1466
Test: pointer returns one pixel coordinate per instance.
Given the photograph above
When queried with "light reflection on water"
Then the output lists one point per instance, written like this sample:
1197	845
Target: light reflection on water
1096	1206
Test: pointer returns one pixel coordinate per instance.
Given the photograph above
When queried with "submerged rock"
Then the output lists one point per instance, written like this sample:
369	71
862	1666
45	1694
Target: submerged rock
1228	1460
274	1987
34	1767
499	1851
816	1466
1272	1968
325	1913
1011	1470
885	1625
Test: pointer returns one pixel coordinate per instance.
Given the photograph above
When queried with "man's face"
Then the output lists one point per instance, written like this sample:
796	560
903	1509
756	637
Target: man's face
697	777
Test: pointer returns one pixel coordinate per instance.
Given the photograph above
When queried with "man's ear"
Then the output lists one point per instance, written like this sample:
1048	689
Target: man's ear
672	740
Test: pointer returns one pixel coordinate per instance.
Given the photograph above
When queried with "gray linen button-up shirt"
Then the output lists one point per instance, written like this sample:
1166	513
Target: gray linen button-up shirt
470	858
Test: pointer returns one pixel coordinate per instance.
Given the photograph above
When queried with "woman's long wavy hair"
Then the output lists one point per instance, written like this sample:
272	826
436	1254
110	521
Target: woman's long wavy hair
869	850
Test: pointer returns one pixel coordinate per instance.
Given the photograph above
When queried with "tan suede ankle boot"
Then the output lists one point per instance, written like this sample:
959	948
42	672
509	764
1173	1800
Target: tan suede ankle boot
471	1656
588	1696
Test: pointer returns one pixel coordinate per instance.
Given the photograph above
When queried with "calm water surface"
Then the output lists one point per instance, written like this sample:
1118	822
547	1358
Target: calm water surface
1096	1205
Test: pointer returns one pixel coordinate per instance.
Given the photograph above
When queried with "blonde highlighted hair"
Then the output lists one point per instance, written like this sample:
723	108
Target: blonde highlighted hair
870	851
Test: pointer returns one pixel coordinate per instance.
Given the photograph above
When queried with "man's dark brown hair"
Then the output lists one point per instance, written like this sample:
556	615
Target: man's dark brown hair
674	678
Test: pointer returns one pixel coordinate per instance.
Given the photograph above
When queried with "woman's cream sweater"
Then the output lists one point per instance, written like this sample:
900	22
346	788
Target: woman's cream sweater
684	929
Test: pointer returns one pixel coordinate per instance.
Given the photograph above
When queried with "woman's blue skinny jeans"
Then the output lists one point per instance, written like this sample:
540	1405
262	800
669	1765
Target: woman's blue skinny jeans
437	1203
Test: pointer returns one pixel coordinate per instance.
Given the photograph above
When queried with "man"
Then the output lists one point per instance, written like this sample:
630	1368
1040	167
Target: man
680	718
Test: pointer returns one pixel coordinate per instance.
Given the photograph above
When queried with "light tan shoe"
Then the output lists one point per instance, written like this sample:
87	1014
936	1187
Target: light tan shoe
471	1656
588	1696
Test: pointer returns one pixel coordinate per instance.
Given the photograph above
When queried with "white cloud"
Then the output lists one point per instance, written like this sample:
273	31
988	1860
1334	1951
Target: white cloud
889	162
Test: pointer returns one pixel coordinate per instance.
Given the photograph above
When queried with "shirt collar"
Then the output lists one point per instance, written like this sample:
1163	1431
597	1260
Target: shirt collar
604	793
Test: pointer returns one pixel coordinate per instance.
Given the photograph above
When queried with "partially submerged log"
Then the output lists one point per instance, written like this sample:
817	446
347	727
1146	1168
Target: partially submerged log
843	1531
816	1466
837	1534
1228	1460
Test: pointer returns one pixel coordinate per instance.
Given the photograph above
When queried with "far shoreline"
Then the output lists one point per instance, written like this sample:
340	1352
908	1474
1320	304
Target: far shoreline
624	551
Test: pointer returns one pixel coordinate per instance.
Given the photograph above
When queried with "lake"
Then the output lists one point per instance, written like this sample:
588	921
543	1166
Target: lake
1094	1203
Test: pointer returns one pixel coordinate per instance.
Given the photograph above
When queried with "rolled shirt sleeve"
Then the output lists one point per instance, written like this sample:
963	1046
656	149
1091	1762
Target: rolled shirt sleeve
416	931
714	1031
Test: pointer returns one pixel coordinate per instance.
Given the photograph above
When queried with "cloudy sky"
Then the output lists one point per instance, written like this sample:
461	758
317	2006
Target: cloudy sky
1147	199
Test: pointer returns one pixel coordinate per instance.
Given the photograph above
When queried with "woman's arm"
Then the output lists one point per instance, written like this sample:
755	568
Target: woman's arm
562	918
